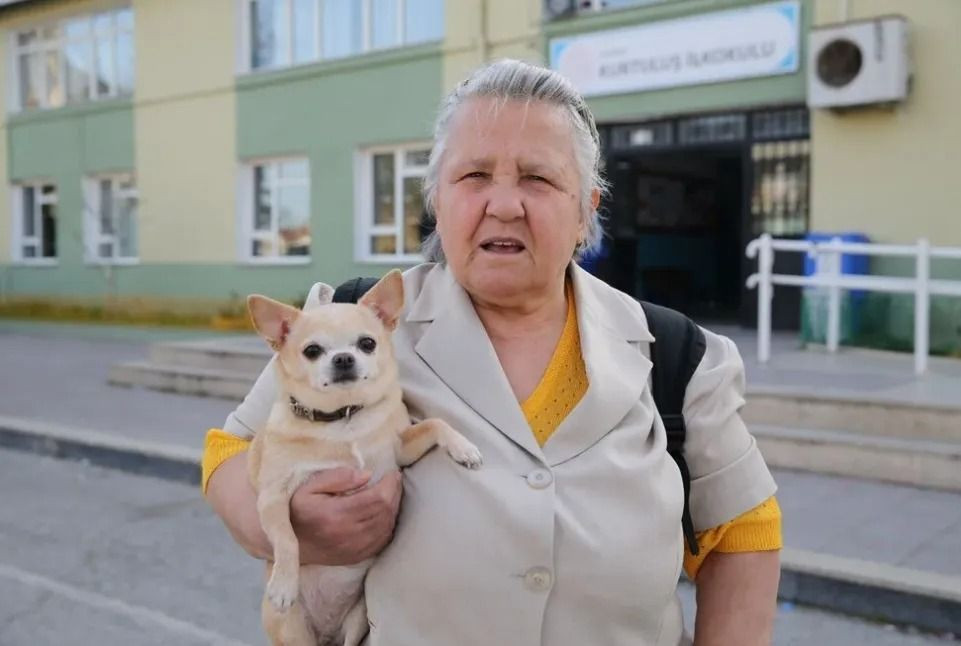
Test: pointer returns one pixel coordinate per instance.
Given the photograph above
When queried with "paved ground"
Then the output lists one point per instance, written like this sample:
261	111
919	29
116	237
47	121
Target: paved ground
63	380
854	372
93	557
888	523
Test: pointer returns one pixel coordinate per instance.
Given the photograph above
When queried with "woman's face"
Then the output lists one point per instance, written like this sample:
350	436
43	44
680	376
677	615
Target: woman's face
508	199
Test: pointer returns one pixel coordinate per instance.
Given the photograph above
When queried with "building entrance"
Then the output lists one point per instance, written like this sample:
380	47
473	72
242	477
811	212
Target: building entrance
689	194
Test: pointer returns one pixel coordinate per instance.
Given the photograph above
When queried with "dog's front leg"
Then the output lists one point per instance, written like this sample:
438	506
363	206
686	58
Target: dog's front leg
273	503
419	438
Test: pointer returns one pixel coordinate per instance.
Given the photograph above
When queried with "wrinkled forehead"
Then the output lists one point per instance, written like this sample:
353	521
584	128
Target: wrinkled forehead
485	112
335	323
479	119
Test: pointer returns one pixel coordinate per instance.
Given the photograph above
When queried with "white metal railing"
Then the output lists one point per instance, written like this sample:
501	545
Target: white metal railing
828	275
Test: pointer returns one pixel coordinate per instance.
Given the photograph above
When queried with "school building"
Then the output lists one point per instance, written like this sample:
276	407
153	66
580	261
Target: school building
179	154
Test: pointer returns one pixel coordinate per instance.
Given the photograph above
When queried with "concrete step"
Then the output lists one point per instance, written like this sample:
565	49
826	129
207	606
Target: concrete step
917	462
201	382
226	357
797	409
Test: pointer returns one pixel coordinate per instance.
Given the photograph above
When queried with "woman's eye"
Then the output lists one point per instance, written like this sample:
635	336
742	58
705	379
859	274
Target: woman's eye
313	351
475	175
538	178
366	344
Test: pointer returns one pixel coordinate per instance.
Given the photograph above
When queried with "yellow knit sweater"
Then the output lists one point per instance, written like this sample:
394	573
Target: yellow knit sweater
560	389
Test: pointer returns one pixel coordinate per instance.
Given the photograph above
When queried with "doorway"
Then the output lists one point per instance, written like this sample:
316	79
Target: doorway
688	194
677	222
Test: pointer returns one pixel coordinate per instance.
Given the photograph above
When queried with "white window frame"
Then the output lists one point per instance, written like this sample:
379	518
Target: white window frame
92	235
364	227
18	239
245	46
245	211
58	45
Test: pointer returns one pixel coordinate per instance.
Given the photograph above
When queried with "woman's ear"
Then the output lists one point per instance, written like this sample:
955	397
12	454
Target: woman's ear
386	298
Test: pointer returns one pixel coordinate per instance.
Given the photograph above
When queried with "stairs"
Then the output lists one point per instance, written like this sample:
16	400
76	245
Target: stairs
905	442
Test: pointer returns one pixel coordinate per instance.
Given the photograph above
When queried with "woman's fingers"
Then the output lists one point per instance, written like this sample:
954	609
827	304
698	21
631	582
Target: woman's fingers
335	481
384	496
349	527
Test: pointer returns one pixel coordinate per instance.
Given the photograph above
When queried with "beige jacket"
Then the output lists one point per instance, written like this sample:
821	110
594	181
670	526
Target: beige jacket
575	543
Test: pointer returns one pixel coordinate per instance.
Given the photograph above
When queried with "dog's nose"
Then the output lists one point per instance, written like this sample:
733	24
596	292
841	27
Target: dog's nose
343	361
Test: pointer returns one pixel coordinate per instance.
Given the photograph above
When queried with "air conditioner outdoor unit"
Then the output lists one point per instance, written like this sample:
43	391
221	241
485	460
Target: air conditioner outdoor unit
858	63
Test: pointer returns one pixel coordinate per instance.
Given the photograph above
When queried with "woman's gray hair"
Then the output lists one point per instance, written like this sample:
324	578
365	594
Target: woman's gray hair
512	80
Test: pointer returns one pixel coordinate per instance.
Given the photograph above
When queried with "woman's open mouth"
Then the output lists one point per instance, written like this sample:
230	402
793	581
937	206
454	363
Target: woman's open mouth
502	245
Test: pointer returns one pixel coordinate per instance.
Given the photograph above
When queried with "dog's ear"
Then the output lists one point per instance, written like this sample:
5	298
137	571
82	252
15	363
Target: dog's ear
271	319
319	294
386	298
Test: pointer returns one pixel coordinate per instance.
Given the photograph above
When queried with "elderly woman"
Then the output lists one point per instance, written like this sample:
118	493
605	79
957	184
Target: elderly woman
571	532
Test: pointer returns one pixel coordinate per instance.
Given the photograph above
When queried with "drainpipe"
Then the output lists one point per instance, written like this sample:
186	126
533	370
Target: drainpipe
482	35
845	9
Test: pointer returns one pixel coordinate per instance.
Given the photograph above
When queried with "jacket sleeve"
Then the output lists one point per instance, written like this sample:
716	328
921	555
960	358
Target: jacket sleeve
252	413
728	474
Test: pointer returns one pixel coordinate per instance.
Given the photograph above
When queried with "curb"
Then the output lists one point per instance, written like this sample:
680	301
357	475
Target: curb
112	451
854	587
875	591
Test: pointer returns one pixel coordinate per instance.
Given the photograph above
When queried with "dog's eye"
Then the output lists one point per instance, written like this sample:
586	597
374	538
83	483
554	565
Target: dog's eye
366	344
313	351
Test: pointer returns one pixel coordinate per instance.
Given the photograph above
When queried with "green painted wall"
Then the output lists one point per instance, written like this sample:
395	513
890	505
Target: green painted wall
63	146
328	112
771	90
88	139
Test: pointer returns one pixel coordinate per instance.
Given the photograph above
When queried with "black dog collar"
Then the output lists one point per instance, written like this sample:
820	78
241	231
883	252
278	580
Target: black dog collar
316	415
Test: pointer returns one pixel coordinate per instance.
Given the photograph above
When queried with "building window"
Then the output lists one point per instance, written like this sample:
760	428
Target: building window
35	223
391	216
276	213
76	60
110	219
281	33
780	198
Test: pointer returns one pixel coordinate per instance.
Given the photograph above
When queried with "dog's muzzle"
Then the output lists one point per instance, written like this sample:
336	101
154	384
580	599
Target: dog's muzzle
345	367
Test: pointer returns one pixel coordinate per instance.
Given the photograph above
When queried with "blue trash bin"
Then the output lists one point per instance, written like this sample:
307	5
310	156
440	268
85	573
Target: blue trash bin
815	299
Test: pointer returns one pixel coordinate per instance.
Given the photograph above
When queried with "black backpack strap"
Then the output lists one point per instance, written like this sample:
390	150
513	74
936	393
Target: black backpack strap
353	289
677	352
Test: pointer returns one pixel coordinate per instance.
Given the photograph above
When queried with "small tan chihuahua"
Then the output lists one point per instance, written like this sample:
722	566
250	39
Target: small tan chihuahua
338	404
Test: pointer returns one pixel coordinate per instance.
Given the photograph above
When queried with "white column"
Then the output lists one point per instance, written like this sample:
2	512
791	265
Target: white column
765	293
834	294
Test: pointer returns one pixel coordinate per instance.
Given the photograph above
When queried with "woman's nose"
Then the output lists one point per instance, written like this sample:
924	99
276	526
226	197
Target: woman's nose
505	202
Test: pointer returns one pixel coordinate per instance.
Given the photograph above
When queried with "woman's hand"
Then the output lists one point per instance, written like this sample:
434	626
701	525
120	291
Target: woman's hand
336	522
339	521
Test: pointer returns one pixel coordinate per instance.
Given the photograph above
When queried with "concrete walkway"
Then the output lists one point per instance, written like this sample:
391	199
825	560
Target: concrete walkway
885	537
853	372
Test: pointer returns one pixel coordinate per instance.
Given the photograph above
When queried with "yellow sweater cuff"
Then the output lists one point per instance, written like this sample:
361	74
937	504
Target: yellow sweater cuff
757	530
218	447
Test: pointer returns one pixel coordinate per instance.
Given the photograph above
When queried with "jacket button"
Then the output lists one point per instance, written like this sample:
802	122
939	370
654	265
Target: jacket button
540	478
538	579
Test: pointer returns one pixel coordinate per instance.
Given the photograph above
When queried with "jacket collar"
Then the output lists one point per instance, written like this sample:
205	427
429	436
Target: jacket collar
456	347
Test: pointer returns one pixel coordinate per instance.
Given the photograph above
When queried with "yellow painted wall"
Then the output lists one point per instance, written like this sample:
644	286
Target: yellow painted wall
185	123
896	173
485	30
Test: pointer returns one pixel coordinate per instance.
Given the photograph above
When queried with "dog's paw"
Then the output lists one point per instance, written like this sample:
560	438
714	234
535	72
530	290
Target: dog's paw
465	454
282	592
